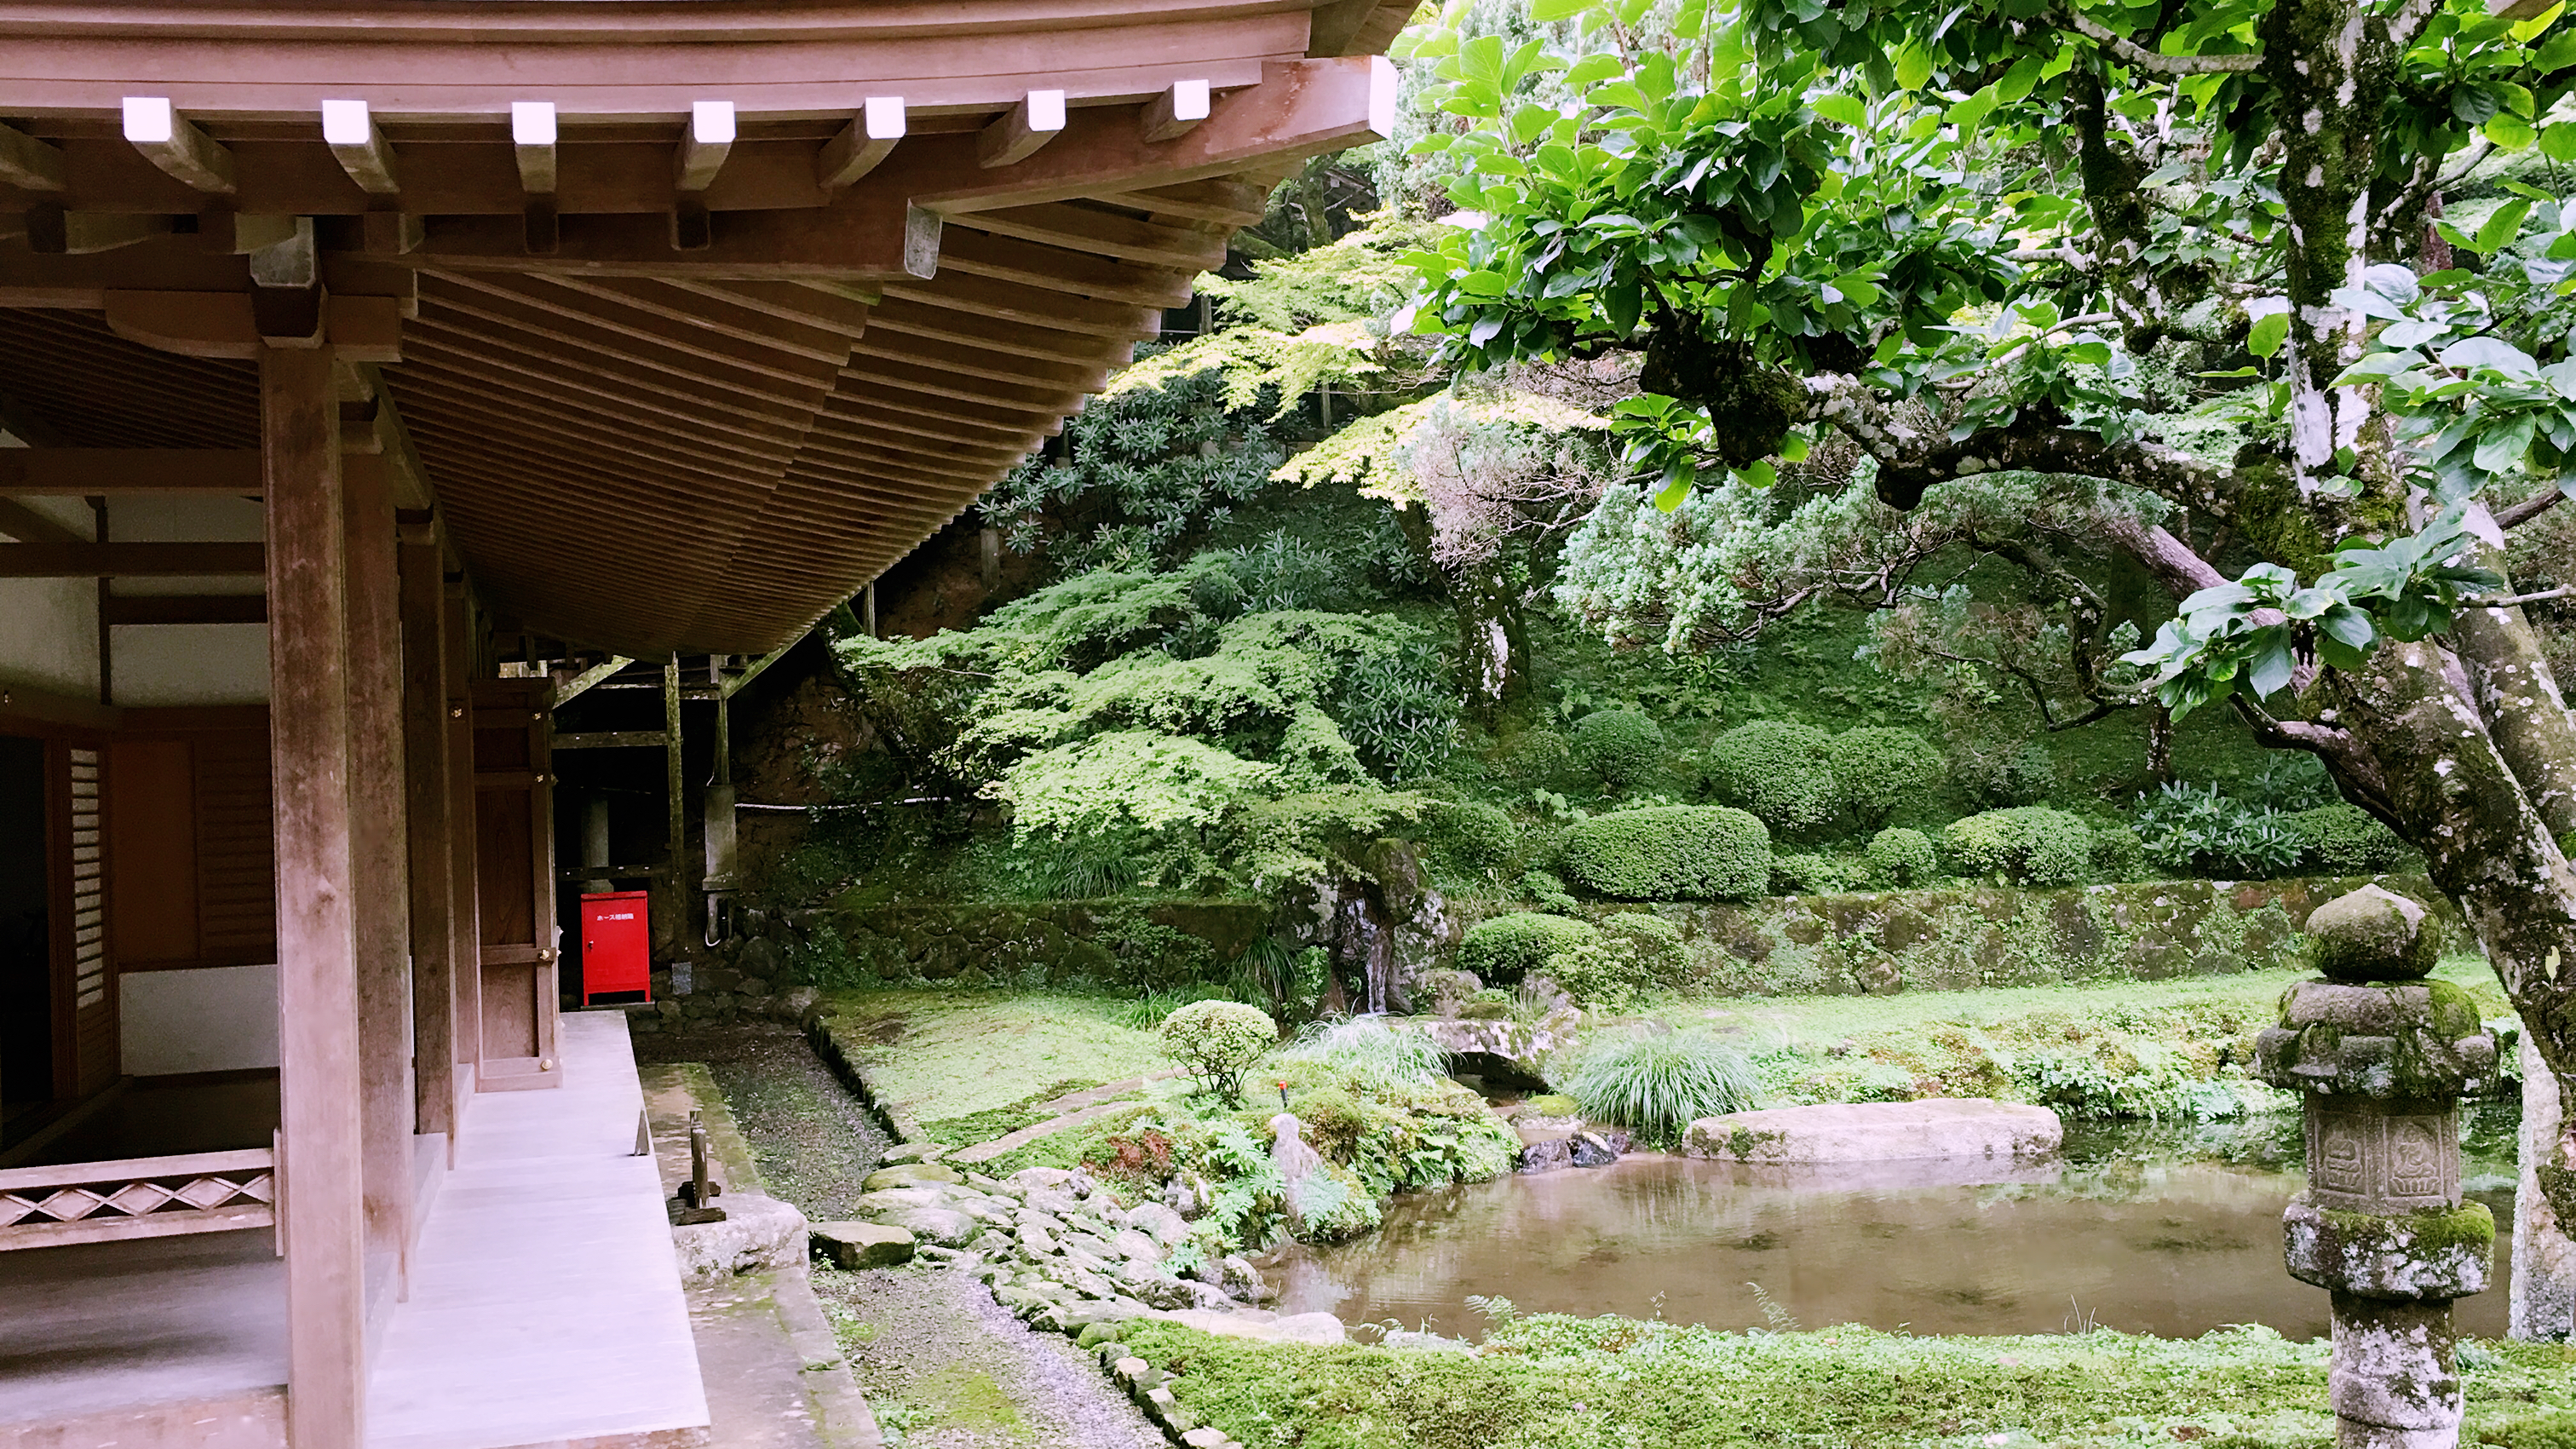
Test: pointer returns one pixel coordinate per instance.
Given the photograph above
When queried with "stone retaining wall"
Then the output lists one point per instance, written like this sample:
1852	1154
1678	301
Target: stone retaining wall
1149	945
1955	938
1946	938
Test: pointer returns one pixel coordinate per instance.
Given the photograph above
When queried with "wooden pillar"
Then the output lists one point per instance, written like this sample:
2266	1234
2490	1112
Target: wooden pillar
378	842
675	786
322	1222
458	681
427	821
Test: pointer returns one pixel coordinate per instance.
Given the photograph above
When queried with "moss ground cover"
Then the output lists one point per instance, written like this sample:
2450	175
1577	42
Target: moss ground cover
971	1066
1571	1383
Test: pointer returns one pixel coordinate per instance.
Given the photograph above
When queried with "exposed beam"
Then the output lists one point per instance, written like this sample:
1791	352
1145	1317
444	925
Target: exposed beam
532	142
1177	111
360	147
86	472
532	139
26	525
581	684
1021	130
228	325
186	609
29	164
173	143
53	231
128	560
611	739
733	686
868	139
703	149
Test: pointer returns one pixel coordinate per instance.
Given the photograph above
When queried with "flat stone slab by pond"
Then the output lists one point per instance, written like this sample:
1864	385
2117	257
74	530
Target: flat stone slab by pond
1877	1132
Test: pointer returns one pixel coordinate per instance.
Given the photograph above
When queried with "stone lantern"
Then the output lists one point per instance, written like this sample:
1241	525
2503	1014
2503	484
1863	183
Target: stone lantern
2380	1057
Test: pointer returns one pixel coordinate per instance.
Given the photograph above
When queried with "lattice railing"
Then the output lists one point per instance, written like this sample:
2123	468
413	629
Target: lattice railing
143	1197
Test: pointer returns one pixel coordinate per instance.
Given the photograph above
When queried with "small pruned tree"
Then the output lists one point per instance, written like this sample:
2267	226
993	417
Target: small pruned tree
1216	1042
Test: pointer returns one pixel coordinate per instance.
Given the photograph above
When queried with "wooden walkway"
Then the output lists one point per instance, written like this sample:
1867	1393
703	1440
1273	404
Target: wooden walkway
546	1306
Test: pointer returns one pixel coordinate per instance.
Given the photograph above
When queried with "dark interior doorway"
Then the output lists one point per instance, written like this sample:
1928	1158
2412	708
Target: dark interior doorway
26	943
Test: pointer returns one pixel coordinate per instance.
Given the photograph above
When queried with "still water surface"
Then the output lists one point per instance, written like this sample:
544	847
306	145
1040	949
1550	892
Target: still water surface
2170	1232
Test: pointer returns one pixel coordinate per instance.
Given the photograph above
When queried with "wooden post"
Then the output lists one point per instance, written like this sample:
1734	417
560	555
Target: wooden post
426	814
457	682
676	786
322	1223
378	844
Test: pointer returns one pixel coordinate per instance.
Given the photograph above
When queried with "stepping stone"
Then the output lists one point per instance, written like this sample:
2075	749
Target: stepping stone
863	1245
911	1174
914	1152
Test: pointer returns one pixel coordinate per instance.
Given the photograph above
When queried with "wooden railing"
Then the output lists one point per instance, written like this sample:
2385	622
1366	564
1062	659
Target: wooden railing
142	1197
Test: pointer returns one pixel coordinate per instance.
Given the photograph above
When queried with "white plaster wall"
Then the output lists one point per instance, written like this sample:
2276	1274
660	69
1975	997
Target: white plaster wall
49	627
212	1019
186	518
165	664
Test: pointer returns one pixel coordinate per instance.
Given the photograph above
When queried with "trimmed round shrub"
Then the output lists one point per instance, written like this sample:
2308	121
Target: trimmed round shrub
1904	857
1468	837
1216	1042
2028	845
1620	746
1656	1086
1877	769
1670	853
1783	773
2344	839
1507	948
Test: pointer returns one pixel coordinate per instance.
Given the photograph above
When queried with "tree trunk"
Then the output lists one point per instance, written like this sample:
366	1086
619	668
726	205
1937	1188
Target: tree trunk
2543	1302
1493	639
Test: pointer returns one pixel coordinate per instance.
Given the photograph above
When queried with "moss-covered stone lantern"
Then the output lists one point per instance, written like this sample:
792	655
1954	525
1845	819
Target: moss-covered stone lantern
2380	1056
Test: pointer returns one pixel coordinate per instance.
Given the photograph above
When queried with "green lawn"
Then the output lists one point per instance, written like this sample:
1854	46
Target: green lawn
970	1066
1607	1383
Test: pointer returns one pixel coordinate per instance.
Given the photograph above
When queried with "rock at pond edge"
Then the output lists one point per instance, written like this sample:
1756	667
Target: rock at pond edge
1970	1127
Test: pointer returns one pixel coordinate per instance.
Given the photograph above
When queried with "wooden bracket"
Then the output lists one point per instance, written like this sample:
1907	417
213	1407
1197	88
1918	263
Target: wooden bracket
868	139
704	149
55	232
361	148
173	143
29	164
1177	111
1021	130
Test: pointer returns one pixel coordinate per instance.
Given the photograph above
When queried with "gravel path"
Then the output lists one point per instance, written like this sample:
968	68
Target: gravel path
942	1365
812	1140
939	1360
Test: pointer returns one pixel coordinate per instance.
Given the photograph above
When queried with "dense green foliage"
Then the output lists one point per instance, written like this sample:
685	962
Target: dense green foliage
1671	853
1658	1084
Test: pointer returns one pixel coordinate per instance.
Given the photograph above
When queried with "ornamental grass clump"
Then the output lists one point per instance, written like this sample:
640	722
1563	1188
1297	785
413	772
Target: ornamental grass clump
1656	1086
1216	1042
1372	1051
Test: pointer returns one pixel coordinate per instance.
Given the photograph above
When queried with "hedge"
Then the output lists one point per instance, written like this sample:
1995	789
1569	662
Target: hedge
1671	853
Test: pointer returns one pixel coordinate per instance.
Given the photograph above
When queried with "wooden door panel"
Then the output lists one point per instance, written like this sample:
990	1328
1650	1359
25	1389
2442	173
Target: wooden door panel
514	883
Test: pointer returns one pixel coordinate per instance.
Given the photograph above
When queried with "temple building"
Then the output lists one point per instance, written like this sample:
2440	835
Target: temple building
373	376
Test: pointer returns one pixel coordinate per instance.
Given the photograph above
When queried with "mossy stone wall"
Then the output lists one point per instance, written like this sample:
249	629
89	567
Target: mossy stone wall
1955	938
1147	945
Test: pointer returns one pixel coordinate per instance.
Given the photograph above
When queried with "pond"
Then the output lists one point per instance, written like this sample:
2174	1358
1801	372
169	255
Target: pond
2141	1229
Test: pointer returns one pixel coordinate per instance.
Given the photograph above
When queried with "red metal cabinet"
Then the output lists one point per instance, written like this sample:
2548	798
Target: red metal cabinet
616	945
